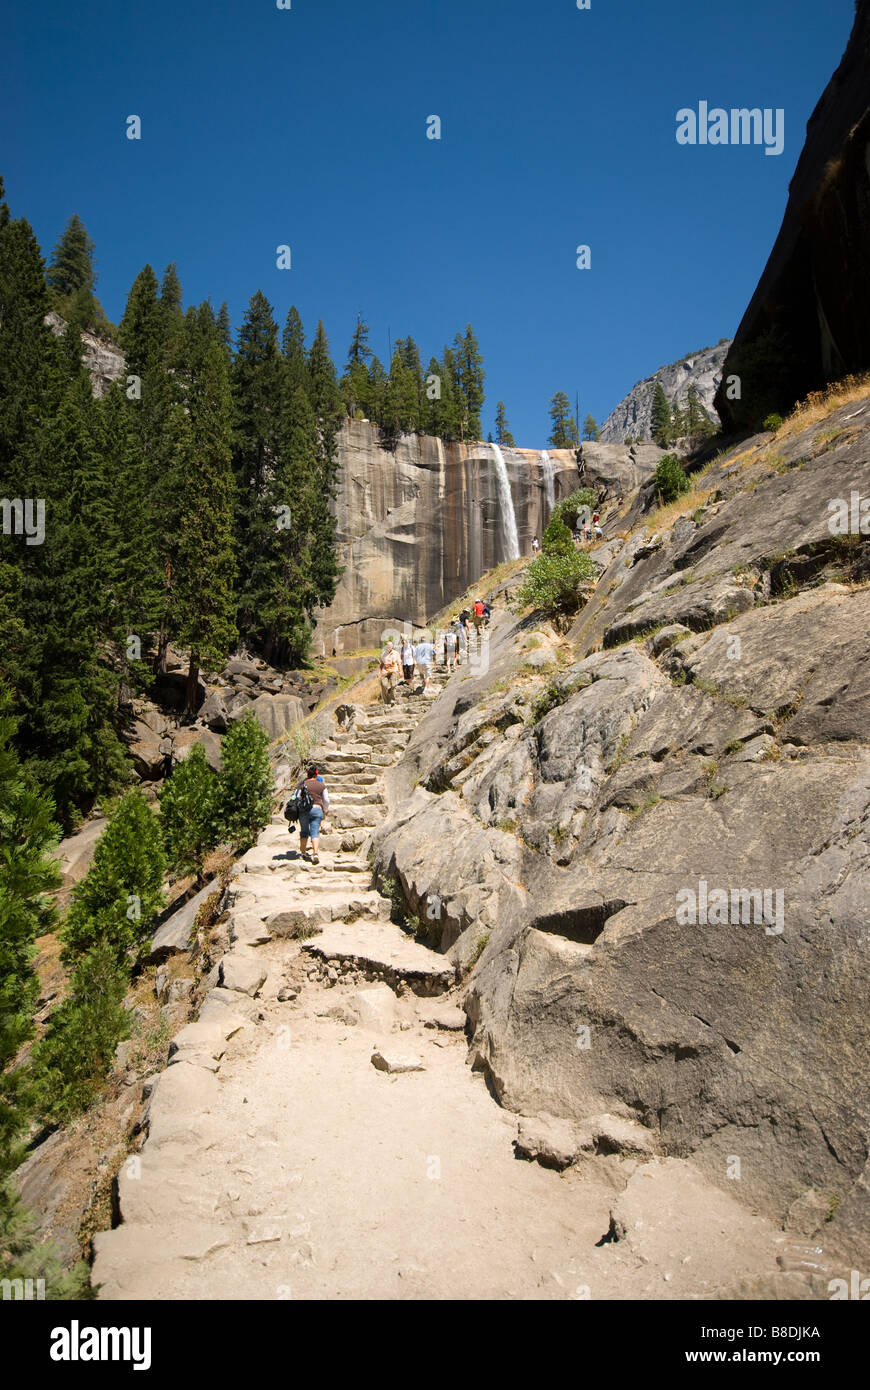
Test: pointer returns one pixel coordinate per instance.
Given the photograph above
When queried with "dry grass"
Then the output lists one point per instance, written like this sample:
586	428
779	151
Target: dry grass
663	518
483	585
820	404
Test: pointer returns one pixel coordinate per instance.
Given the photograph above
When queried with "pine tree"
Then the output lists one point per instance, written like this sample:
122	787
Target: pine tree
257	389
590	428
224	329
73	1058
118	899
293	350
205	563
355	384
244	791
142	332
187	812
72	277
72	267
502	430
696	421
469	377
27	873
377	397
171	314
661	424
563	434
446	410
326	404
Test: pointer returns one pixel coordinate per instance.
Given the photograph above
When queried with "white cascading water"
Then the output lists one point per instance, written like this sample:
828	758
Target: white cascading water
506	504
549	473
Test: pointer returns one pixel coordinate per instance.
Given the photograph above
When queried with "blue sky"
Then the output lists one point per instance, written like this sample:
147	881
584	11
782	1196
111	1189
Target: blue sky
307	127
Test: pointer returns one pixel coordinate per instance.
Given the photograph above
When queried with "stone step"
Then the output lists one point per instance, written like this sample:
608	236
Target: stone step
355	817
384	952
323	908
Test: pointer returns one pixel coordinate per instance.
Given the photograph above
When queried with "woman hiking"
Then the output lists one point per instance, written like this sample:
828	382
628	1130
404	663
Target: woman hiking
311	820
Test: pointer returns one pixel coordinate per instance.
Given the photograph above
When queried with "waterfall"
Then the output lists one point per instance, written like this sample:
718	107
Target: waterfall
506	504
549	482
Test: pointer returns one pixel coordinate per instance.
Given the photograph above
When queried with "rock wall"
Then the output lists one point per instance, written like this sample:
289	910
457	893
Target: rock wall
808	321
418	526
632	418
708	730
103	360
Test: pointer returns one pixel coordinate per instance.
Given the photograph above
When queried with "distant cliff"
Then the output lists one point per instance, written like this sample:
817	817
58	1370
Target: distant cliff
808	321
103	360
632	418
418	526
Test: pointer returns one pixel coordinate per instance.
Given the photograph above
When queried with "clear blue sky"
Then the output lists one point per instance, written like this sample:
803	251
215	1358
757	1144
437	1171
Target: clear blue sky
307	126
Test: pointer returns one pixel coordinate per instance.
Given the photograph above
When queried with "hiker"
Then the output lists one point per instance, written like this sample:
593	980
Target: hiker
535	546
463	620
477	617
450	649
389	673
424	655
407	660
487	613
310	821
461	643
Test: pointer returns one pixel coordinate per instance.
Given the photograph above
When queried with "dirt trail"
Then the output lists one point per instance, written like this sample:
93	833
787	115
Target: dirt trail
281	1163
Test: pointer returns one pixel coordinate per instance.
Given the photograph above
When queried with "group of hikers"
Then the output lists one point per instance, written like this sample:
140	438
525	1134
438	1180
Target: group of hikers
401	663
590	529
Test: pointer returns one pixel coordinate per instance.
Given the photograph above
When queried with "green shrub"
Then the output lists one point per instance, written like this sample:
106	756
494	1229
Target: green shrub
552	582
557	539
670	480
123	891
187	811
772	422
569	508
243	803
72	1060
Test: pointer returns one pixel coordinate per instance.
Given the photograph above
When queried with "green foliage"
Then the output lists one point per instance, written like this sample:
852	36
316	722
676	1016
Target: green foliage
552	582
670	480
563	434
25	1254
27	835
187	811
569	508
502	429
122	892
72	1059
557	539
243	802
772	422
662	424
590	428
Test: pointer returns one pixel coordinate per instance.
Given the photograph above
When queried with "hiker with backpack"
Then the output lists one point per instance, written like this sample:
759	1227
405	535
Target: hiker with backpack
478	617
312	803
450	648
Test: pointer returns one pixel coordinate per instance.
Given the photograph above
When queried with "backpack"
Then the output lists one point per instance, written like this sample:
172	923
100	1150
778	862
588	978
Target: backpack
299	801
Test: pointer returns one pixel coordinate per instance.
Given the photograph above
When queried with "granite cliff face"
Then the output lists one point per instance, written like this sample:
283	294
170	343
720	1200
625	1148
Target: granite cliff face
632	418
418	526
702	727
104	361
808	321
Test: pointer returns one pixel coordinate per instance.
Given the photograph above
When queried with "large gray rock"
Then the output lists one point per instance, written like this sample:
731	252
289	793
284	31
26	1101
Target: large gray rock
176	934
735	760
277	713
632	418
243	973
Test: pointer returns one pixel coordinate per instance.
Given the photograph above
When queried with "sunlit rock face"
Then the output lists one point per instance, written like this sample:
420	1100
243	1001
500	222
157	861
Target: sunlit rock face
418	526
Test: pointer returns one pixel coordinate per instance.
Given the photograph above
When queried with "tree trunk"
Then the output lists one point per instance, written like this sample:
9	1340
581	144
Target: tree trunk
192	682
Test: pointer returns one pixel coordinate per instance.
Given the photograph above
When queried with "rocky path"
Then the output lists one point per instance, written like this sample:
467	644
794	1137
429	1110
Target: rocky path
318	1133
